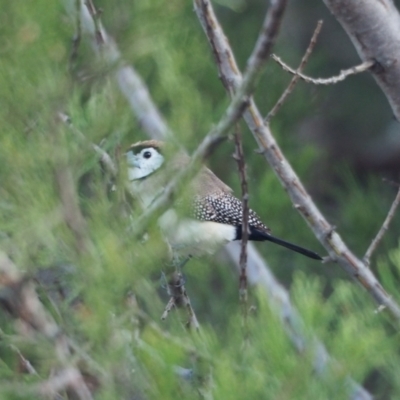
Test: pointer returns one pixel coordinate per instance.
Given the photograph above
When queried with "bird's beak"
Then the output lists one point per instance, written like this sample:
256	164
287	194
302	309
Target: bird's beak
132	160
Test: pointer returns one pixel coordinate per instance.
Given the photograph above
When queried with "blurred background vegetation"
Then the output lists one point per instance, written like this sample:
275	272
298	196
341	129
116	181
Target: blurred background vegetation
342	140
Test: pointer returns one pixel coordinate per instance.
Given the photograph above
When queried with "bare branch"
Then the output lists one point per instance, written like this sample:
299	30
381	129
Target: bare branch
365	66
26	364
180	298
296	77
269	148
168	308
385	226
76	41
239	156
260	53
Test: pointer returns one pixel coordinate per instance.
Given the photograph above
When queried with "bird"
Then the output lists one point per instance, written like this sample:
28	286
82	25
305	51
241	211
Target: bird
206	216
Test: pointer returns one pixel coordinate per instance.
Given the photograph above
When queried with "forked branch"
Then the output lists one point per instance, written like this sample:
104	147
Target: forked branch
365	66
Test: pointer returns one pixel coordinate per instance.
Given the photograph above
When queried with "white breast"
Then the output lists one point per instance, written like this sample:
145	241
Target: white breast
193	237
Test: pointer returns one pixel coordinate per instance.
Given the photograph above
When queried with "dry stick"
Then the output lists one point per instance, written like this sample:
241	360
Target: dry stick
365	66
77	38
170	305
26	364
296	77
179	297
302	201
239	157
374	244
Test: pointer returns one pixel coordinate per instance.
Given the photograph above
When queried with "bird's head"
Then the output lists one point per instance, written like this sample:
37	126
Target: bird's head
144	158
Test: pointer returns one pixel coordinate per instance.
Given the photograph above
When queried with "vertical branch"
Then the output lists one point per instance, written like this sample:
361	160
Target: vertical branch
179	298
78	35
67	192
239	157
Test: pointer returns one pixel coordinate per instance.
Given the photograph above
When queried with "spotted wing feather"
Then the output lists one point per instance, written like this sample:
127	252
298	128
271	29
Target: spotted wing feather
224	209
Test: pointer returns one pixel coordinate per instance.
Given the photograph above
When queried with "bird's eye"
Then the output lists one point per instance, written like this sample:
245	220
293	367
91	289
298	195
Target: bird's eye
147	154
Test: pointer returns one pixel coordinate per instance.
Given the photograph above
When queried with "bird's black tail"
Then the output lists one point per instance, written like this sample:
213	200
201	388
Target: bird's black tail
261	236
294	247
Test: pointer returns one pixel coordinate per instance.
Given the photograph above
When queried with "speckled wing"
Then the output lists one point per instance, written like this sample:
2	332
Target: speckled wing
224	209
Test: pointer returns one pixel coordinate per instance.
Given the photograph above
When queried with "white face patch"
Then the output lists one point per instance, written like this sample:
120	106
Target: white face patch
143	163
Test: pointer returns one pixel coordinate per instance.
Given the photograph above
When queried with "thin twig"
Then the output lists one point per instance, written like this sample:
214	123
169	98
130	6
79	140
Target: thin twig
296	77
105	158
78	35
180	298
26	364
170	305
385	226
100	38
365	66
265	41
239	157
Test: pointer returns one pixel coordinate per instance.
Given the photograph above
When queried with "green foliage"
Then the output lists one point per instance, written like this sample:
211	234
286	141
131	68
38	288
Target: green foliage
109	299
